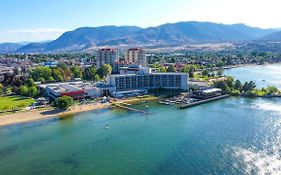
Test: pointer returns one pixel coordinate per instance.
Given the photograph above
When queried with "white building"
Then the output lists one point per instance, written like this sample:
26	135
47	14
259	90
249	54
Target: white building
107	56
148	81
136	56
136	69
76	90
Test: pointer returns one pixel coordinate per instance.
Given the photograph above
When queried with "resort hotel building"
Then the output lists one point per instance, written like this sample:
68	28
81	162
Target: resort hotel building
146	79
107	56
134	79
136	56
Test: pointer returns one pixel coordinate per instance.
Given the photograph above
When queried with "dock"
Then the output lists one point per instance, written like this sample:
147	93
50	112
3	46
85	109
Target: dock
129	108
203	101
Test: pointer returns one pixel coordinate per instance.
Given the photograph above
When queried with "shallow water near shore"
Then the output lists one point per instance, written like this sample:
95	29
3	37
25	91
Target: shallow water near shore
230	136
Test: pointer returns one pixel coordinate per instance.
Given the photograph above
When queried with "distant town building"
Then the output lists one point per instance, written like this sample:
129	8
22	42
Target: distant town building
5	70
136	56
50	64
107	56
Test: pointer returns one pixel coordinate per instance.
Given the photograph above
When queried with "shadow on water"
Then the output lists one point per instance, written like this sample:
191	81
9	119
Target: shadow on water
51	112
6	152
65	116
70	161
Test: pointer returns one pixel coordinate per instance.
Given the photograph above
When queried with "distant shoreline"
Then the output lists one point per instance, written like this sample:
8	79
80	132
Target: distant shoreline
37	115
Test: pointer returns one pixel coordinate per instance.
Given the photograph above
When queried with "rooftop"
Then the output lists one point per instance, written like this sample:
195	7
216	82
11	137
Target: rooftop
211	90
69	86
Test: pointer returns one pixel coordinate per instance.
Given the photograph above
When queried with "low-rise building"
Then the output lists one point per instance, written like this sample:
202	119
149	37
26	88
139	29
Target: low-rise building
207	93
76	90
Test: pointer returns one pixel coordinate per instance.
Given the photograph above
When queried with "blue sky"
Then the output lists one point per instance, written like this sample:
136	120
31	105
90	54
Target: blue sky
37	20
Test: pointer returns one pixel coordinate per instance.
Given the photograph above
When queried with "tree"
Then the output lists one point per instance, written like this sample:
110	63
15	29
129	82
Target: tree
205	72
245	87
32	91
90	73
62	66
191	73
104	70
252	85
1	89
159	67
76	71
271	90
162	69
223	86
186	68
249	86
171	68
56	74
42	80
50	79
230	82
238	85
173	60
97	77
8	90
30	82
24	91
64	102
220	73
41	72
64	70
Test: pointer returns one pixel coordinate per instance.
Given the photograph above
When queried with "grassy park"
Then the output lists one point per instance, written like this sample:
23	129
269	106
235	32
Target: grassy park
8	103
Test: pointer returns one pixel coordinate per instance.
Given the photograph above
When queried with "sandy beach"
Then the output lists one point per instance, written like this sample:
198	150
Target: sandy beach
35	115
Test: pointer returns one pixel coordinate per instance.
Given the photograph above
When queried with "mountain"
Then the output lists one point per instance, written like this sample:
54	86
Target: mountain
80	39
194	32
273	37
9	47
164	35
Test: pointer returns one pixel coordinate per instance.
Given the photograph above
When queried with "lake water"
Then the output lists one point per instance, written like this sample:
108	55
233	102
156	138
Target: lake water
264	75
230	136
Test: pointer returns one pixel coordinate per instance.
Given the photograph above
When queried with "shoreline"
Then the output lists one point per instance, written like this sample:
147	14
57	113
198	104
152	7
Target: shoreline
37	115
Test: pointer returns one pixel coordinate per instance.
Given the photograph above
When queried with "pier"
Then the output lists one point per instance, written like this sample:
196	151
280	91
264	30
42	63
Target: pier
129	108
203	101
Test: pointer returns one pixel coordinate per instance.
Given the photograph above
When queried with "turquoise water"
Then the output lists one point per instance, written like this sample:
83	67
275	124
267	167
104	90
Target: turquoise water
263	75
230	136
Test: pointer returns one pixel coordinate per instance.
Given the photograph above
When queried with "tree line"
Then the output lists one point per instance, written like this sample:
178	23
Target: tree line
26	86
247	89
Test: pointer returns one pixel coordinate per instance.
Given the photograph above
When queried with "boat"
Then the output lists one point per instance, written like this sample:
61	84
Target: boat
106	126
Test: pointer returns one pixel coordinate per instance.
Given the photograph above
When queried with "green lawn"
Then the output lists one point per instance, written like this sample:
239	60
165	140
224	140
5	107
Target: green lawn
8	103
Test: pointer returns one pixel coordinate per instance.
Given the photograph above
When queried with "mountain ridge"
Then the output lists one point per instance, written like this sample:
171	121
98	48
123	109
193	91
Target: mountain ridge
180	33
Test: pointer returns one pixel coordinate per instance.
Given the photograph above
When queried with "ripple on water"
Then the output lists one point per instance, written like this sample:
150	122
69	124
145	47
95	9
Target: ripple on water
259	161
